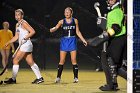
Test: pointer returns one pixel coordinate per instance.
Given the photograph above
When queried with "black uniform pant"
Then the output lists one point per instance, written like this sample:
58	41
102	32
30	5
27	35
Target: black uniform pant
116	51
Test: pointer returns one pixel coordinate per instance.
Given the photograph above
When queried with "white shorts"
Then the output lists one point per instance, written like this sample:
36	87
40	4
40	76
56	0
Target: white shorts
27	47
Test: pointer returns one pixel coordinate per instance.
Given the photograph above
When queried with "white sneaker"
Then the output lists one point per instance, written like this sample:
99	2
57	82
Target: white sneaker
75	80
58	80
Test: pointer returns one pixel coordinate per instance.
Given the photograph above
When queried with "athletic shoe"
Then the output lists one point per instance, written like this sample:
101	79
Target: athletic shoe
42	79
10	81
1	82
58	80
75	80
108	88
38	81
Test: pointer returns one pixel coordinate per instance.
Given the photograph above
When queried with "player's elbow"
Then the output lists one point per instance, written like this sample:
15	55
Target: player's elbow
78	32
33	32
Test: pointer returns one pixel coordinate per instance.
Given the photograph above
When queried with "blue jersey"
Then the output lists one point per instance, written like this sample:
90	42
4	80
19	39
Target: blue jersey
69	29
68	41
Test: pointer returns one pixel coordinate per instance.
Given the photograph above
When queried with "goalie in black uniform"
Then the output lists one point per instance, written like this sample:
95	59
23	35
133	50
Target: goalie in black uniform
115	34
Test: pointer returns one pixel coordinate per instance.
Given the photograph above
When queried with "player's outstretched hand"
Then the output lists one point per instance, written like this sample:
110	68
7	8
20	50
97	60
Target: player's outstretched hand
85	43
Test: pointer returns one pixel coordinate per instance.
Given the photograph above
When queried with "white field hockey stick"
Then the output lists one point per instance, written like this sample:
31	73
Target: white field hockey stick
101	21
96	6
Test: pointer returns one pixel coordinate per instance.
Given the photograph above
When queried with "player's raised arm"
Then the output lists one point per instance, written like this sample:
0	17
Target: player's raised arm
59	24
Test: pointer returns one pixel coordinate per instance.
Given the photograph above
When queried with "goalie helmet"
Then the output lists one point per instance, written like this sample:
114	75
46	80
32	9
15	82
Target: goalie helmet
117	3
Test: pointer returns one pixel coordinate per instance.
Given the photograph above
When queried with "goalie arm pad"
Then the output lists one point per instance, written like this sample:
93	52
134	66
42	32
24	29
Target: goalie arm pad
105	35
99	39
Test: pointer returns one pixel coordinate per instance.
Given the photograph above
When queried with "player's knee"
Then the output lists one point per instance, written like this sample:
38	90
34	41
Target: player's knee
15	61
4	57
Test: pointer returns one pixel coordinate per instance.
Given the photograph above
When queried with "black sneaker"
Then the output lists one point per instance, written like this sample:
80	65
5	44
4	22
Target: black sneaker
108	88
10	81
1	82
42	79
37	81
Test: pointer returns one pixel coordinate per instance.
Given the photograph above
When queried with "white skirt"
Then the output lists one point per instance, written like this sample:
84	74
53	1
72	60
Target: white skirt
27	47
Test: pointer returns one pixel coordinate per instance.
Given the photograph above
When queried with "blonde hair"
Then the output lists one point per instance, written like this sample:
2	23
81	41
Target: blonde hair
5	23
69	8
21	11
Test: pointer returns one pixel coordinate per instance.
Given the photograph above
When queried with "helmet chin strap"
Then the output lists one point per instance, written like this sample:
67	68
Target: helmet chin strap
112	7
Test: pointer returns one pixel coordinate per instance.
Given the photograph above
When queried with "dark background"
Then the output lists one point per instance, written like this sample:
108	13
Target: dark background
43	14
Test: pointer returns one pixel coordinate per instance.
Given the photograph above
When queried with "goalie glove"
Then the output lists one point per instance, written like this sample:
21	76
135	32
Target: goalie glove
101	23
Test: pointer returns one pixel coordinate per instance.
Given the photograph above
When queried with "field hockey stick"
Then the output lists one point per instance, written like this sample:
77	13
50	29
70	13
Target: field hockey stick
4	69
96	6
101	21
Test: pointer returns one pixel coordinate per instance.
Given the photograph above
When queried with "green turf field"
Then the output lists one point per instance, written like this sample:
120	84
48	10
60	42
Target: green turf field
89	81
